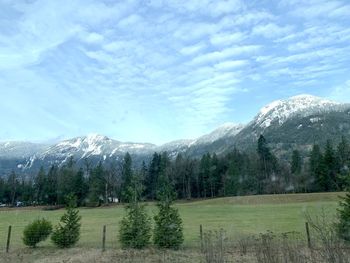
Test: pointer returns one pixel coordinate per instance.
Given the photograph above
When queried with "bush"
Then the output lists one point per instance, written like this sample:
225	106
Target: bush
168	227
135	228
37	231
67	233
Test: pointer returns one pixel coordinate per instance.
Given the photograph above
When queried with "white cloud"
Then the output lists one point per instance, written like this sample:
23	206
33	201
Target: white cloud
133	62
231	64
226	38
271	30
191	50
225	54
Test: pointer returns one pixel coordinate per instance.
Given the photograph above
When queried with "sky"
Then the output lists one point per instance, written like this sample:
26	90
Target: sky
161	70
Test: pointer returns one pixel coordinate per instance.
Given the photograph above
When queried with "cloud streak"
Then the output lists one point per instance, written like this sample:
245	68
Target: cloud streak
161	70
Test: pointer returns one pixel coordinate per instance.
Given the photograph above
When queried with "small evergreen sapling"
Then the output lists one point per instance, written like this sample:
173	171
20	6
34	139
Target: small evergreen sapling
37	231
168	230
135	227
168	227
67	233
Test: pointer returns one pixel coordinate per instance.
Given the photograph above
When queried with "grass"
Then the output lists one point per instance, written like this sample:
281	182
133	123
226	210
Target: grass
237	215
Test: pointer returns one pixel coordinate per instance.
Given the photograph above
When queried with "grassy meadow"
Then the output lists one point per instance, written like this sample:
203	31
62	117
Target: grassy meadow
236	215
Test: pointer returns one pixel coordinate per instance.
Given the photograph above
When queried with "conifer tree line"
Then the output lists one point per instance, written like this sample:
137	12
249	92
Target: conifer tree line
235	173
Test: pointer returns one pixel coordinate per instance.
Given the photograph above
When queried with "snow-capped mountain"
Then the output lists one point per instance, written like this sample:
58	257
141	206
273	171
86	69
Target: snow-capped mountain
225	130
300	120
279	111
94	145
200	145
17	149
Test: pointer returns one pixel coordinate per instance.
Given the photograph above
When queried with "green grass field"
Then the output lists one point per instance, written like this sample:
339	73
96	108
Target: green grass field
236	215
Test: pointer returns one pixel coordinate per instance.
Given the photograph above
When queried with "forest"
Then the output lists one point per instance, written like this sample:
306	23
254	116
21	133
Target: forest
235	173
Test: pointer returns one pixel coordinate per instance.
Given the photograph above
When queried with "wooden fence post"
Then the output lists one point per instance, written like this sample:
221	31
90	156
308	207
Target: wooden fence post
308	234
104	238
201	236
8	239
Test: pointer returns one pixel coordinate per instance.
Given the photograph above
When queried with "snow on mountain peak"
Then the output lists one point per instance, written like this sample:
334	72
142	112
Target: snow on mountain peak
281	110
227	129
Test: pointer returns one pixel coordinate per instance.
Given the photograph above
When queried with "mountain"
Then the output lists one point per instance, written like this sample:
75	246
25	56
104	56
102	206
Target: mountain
298	121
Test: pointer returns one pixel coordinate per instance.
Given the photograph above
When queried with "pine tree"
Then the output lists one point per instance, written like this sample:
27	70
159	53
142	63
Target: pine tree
296	162
127	188
330	163
135	227
40	186
66	184
343	161
51	186
80	187
317	169
12	182
343	225
168	230
266	162
37	231
96	185
152	177
204	174
67	232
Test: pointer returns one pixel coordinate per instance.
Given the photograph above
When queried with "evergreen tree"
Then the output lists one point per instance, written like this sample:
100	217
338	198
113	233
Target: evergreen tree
96	185
168	230
296	162
330	163
213	175
40	186
235	163
343	225
152	177
37	231
127	174
66	185
267	164
67	232
343	153
13	186
80	187
317	168
204	174
343	161
135	227
51	185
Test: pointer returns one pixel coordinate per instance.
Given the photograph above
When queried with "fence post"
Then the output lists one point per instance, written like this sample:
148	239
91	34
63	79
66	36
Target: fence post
8	239
308	234
201	236
104	238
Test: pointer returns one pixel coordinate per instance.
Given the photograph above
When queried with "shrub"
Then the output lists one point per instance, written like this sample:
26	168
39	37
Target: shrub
67	233
37	231
135	228
214	246
168	227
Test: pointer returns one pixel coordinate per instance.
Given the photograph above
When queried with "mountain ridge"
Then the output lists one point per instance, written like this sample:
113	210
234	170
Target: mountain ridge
280	120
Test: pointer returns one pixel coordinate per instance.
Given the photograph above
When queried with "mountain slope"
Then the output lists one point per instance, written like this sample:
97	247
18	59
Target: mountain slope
298	121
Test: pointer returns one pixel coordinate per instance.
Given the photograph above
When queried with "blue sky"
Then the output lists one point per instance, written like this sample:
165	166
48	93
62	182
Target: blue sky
159	70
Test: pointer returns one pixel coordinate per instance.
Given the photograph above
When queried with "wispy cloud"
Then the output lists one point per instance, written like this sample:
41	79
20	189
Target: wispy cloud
171	69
